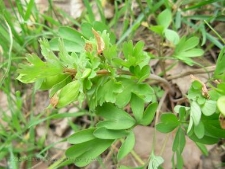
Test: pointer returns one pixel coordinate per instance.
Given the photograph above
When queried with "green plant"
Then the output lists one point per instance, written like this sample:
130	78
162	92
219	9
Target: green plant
114	79
91	67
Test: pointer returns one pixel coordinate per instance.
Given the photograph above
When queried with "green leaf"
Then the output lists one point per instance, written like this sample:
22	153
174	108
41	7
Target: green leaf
103	133
179	141
64	56
118	124
81	136
48	53
71	34
144	91
195	113
70	46
199	130
144	73
190	125
158	29
180	162
220	68
78	149
137	106
149	114
191	53
214	130
190	43
164	18
91	155
221	104
127	146
203	148
32	70
204	140
37	69
111	112
83	153
172	36
110	95
209	107
168	122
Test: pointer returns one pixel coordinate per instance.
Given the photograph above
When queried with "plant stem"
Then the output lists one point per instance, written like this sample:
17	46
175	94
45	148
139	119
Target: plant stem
134	154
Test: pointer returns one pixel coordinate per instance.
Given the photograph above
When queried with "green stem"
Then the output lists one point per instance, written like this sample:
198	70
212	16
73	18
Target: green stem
137	158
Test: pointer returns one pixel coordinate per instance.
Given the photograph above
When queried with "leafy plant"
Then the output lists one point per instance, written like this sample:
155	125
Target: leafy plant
88	65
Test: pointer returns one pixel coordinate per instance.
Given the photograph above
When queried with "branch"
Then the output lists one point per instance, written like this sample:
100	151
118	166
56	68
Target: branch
194	71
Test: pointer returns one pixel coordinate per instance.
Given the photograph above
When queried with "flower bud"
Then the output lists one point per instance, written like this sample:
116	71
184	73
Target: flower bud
68	94
50	81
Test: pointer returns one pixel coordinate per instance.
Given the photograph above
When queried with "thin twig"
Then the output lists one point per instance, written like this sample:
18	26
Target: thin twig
194	71
157	114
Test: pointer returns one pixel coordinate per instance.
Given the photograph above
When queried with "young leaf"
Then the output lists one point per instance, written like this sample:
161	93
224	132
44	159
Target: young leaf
48	53
190	125
195	113
103	133
164	18
191	53
199	130
190	43
149	114
127	146
172	36
155	161
209	107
